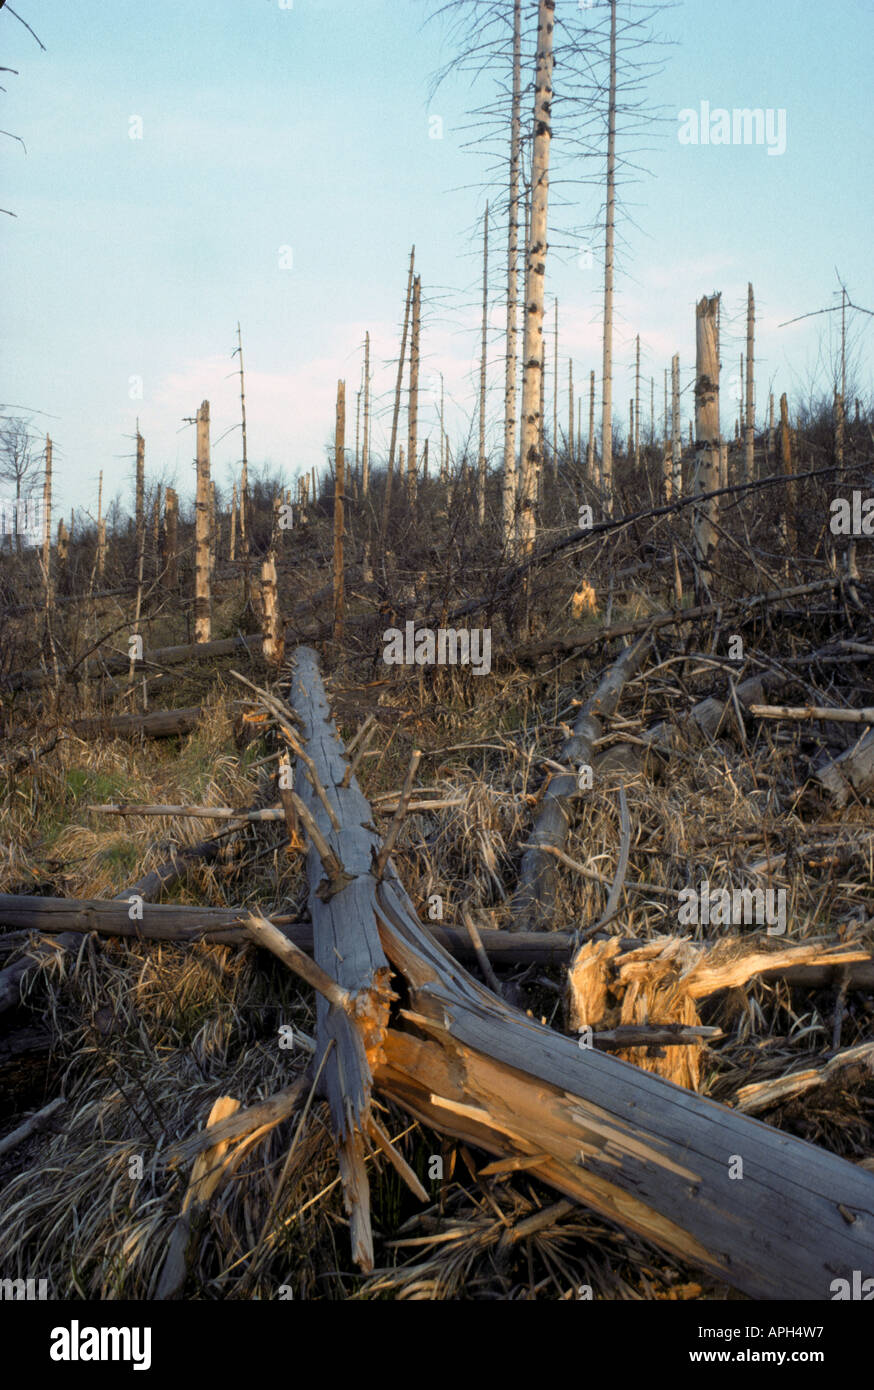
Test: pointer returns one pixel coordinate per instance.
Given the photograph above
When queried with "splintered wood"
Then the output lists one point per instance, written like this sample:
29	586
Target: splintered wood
652	1156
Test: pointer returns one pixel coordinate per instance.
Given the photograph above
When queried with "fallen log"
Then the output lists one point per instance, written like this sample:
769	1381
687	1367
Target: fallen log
31	1126
534	899
173	922
346	942
594	636
160	723
13	977
764	1094
852	774
160	656
655	1158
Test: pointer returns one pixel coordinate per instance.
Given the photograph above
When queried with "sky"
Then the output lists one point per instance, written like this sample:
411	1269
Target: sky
283	163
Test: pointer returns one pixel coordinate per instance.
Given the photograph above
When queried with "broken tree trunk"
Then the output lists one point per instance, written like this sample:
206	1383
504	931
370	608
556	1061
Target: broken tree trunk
706	474
651	1156
160	656
534	900
346	940
161	723
202	598
852	774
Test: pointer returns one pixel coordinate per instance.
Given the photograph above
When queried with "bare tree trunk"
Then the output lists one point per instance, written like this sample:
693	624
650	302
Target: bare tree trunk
543	414
536	270
739	422
510	366
788	526
637	403
707	444
272	647
750	419
245	525
481	453
555	393
213	529
444	449
141	538
413	420
839	423
202	597
771	426
667	473
607	413
386	505
590	451
171	553
365	448
572	453
47	526
232	543
339	475
676	441
101	530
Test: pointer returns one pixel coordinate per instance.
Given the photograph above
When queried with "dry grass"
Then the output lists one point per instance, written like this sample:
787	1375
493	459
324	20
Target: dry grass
147	1037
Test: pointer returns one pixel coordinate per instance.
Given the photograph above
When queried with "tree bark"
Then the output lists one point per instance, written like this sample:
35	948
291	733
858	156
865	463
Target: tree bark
607	411
202	599
707	444
535	276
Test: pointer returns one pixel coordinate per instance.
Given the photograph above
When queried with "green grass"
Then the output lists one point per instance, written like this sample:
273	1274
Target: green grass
97	787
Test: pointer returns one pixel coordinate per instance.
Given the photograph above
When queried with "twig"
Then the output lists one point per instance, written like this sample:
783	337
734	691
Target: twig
383	857
297	960
840	716
485	964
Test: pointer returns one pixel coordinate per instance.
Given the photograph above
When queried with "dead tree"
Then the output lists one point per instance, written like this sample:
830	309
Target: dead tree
707	444
171	548
750	413
535	278
413	418
656	1158
365	446
534	899
202	597
386	502
609	240
483	363
339	482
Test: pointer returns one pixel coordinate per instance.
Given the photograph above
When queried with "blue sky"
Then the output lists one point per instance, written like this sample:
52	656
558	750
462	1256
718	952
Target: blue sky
265	127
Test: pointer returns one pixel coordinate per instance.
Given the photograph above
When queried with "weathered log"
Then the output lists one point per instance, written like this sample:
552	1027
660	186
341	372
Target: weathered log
160	723
764	1094
649	1155
32	1125
852	774
12	978
534	900
595	636
161	656
221	926
159	922
839	715
345	941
